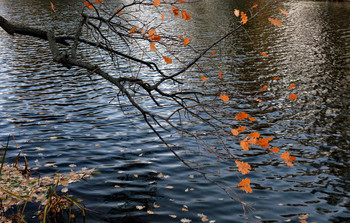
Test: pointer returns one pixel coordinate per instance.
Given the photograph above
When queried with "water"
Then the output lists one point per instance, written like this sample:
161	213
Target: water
61	111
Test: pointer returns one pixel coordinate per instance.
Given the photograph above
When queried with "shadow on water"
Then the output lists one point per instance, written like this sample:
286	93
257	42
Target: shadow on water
65	121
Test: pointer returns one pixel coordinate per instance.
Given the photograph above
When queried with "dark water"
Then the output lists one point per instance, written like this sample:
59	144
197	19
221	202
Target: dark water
60	117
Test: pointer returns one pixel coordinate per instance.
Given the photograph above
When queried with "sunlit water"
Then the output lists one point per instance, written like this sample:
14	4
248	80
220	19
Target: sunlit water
59	117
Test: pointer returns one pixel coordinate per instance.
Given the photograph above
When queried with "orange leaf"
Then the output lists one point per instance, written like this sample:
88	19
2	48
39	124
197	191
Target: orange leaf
234	132
238	130
151	33
269	138
162	17
284	12
287	159
155	38
175	11
275	78
97	1
52	6
274	150
245	185
179	37
131	32
254	6
245	145
119	12
168	60
244	18
254	135
224	97
236	12
186	41
263	88
243	167
291	86
275	22
252	119
88	5
204	78
182	1
185	15
220	75
252	141
264	54
213	53
241	116
152	45
259	100
263	142
156	2
293	97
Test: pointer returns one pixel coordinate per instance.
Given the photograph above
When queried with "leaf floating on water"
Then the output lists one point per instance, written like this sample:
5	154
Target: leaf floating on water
220	75
274	150
116	186
245	145
213	53
186	41
224	97
252	119
185	220
264	54
136	176
302	218
169	187
156	206
275	78
203	78
241	116
150	212
184	209
288	159
173	216
236	12
291	86
156	2
139	207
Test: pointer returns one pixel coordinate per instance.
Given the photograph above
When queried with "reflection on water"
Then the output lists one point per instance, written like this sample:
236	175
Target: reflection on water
62	117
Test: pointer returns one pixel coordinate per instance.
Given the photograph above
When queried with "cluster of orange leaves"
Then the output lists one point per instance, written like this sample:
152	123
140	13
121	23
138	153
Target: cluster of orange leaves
254	138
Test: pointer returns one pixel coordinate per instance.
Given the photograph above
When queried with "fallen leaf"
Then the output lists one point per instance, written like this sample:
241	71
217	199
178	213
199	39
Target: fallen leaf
291	86
186	41
245	185
150	212
293	97
184	209
245	145
275	22
224	97
264	54
156	2
220	75
274	150
203	78
241	116
140	207
243	167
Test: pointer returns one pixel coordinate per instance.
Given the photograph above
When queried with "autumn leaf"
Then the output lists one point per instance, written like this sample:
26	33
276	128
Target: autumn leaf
275	22
220	75
52	6
150	212
284	12
291	86
88	5
186	41
244	18
236	12
203	78
275	78
263	88
175	11
263	142
254	135
245	145
259	100
241	116
162	17
243	167
245	185
156	2
152	46
254	6
293	96
168	60
185	15
224	97
213	53
238	130
264	54
274	150
181	1
288	159
131	32
252	119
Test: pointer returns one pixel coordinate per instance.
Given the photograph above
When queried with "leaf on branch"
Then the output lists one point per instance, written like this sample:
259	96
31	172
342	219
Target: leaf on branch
181	1
293	97
275	78
252	119
168	60
274	150
263	142
162	17
175	11
244	144
203	78
52	6
235	132
213	53
186	41
245	185
185	15
291	86
236	12
254	135
152	46
220	75
131	32
241	116
288	159
254	6
224	97
264	54
88	5
243	167
284	12
263	88
244	18
156	2
275	22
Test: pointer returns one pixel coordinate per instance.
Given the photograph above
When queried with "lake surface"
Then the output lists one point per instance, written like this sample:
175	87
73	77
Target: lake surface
60	117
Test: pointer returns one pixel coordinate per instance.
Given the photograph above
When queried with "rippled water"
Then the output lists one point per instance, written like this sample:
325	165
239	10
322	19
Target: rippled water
60	117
